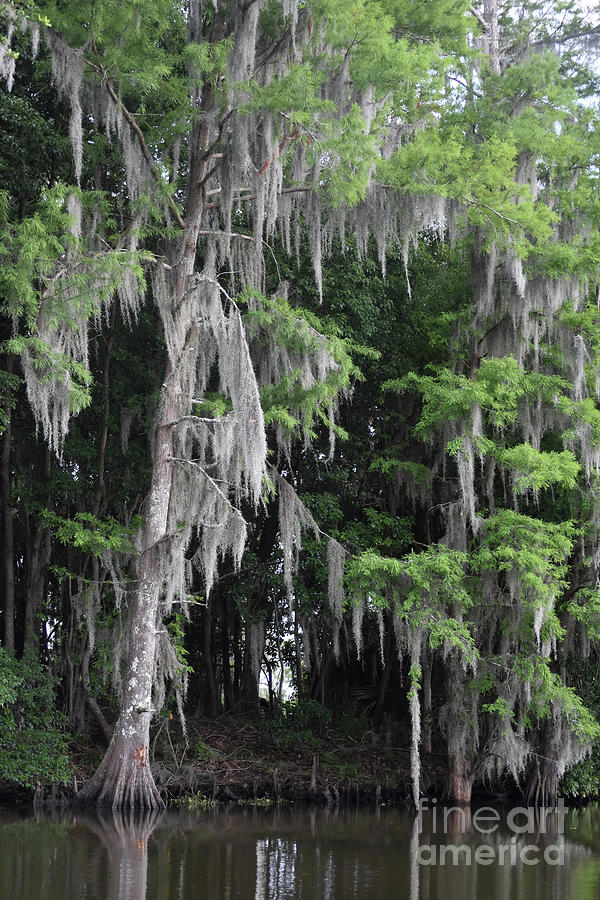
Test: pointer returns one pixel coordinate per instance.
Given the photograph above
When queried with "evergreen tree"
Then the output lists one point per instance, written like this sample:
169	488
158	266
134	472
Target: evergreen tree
200	134
512	420
275	109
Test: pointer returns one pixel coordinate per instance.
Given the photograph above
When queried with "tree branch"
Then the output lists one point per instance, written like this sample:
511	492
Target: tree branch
191	462
479	17
138	131
290	190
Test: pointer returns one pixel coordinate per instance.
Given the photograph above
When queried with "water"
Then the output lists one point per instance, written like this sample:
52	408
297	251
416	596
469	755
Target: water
294	853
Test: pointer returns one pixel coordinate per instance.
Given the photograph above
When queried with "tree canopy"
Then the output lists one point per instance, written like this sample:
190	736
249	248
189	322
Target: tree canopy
275	274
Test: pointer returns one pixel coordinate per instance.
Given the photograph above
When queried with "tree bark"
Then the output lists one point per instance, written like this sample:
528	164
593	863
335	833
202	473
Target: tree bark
250	679
460	781
427	670
490	14
213	699
298	656
226	655
278	633
238	658
40	549
542	788
124	778
9	562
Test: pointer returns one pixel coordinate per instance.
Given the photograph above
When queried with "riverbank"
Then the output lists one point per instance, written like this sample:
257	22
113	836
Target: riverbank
253	760
234	760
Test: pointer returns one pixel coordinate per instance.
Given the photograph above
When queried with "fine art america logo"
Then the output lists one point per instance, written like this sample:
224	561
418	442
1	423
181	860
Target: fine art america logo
521	835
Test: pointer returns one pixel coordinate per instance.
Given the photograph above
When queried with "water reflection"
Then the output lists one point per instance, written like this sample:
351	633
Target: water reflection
66	855
124	837
294	854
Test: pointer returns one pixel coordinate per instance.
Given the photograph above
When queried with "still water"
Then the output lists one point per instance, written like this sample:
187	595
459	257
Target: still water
302	854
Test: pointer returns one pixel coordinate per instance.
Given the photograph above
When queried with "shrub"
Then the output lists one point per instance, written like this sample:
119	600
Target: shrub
33	748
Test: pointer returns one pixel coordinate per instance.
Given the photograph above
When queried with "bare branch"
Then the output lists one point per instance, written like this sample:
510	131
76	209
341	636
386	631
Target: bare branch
479	17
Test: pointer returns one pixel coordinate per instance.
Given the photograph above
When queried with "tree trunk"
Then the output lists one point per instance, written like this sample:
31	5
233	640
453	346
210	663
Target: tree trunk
124	777
250	679
40	549
8	554
226	655
543	785
542	789
427	670
278	633
492	34
238	659
213	699
298	656
460	781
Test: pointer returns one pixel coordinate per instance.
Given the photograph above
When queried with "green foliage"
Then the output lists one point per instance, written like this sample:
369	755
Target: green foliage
204	753
42	263
425	590
499	707
584	322
30	251
288	402
466	131
298	723
498	386
390	467
208	60
584	607
537	552
351	726
196	803
535	470
414	676
303	715
33	748
582	779
550	693
177	627
296	94
260	802
90	534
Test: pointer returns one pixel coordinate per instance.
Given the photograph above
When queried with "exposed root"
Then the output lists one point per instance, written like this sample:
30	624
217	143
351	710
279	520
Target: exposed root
123	781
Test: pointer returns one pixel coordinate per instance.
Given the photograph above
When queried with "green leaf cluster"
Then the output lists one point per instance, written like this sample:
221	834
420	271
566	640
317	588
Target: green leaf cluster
33	744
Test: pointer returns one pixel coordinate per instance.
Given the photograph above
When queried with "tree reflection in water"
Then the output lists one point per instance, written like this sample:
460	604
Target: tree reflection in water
277	854
125	836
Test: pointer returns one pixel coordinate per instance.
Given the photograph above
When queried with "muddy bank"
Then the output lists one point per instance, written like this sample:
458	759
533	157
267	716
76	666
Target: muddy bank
237	759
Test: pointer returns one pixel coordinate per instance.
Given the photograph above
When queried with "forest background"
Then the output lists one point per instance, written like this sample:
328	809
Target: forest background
300	380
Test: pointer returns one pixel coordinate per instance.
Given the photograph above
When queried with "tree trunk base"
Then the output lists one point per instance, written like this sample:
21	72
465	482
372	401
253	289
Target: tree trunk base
460	783
123	780
542	789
